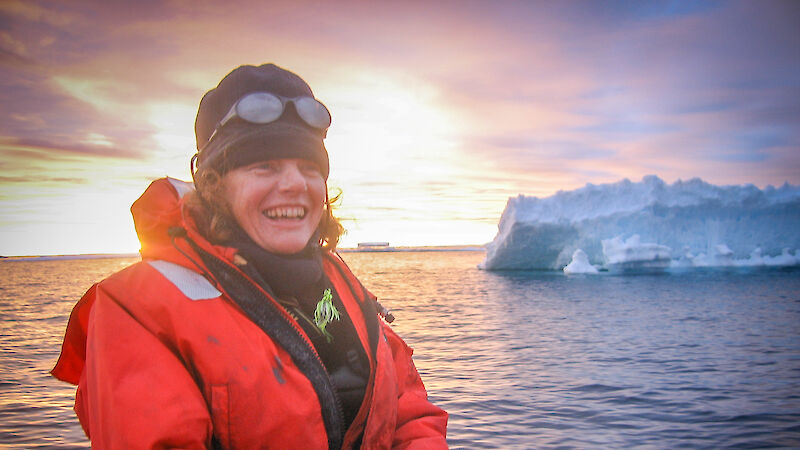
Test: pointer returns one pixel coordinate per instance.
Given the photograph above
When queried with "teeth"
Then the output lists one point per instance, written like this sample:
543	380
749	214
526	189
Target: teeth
286	212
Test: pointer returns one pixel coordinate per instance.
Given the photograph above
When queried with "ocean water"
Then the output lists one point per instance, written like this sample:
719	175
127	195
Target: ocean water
702	359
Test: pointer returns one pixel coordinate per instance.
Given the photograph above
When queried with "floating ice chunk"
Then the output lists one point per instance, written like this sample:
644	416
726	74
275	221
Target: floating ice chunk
543	233
685	260
580	264
784	259
755	258
724	256
634	255
701	260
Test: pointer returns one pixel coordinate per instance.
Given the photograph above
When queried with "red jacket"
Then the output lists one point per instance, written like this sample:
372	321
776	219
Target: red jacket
163	357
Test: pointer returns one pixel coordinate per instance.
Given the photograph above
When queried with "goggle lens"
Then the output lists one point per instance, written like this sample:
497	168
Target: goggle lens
313	112
259	107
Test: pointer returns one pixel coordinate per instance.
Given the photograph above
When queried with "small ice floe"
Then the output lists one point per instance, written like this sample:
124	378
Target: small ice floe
719	256
784	259
685	260
632	255
724	257
580	264
756	259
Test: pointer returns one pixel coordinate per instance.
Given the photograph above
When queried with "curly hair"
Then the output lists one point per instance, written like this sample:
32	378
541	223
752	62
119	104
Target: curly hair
217	222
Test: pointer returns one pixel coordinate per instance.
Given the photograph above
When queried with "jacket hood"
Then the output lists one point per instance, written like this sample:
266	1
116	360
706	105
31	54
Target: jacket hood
161	215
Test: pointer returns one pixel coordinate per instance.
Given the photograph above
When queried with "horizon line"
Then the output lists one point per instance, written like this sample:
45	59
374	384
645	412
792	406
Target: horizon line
399	248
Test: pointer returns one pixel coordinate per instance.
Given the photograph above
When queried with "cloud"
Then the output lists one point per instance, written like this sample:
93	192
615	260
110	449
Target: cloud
73	81
33	12
717	74
41	180
12	59
50	147
469	101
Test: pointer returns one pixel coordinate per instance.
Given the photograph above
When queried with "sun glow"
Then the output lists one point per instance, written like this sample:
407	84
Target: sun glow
381	124
392	139
174	137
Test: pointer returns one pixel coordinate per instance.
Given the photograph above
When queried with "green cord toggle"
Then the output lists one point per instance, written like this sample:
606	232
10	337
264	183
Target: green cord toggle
325	313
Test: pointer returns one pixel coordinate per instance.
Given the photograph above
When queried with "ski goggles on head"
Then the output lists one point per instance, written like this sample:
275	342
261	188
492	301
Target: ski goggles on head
265	107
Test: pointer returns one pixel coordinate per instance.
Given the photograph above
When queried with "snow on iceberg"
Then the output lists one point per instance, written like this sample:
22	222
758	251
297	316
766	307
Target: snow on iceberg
633	255
688	223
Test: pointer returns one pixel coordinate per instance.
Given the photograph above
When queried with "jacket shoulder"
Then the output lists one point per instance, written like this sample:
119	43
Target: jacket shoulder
151	282
190	283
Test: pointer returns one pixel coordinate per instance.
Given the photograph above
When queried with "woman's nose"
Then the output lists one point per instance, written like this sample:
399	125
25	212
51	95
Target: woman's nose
292	179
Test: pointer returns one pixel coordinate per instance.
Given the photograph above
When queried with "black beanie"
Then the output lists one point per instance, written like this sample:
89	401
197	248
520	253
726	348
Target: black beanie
239	143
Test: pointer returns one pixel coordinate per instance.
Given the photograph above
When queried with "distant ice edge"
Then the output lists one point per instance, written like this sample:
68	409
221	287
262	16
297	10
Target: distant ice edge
649	225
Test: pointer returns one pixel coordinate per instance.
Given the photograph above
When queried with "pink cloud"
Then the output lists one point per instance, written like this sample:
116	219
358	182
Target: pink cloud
553	92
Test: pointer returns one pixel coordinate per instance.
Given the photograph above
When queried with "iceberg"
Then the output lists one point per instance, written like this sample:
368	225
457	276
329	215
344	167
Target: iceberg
649	225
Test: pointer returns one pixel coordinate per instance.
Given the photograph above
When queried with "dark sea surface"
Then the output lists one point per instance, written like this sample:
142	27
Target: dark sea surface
702	359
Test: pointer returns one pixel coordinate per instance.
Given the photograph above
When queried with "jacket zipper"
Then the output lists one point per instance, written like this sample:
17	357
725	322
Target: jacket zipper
363	413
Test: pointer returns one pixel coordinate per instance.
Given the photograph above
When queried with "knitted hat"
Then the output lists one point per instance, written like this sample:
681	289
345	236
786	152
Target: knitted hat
239	142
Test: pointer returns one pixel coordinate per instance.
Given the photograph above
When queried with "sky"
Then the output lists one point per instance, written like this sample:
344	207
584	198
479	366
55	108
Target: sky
441	110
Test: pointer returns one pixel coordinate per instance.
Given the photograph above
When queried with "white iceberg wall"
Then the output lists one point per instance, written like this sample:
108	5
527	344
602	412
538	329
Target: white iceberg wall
691	218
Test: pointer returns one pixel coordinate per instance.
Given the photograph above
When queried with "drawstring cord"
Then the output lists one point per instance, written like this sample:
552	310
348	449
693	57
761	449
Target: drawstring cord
192	168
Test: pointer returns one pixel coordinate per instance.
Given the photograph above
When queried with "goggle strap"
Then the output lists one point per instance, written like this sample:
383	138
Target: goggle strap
327	216
192	167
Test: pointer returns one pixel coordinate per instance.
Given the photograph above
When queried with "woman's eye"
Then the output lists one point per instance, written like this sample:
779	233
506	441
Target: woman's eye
310	168
266	167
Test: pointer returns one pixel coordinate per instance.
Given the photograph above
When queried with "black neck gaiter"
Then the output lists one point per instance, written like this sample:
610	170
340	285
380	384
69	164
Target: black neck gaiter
295	275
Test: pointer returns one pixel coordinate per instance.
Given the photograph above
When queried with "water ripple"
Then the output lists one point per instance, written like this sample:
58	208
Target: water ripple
520	360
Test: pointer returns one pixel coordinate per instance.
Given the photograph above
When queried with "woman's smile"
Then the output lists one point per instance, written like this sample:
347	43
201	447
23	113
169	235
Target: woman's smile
286	212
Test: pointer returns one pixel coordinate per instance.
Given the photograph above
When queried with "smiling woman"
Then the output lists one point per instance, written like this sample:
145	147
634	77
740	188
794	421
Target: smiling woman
241	327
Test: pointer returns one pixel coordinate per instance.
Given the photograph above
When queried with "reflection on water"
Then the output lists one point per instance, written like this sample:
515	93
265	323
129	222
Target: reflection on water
36	298
520	360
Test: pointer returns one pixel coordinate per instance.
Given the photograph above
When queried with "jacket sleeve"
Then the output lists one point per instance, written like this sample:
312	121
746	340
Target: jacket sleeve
420	424
134	391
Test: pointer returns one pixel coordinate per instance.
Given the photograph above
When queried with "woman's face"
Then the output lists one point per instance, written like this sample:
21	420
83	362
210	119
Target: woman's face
278	203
